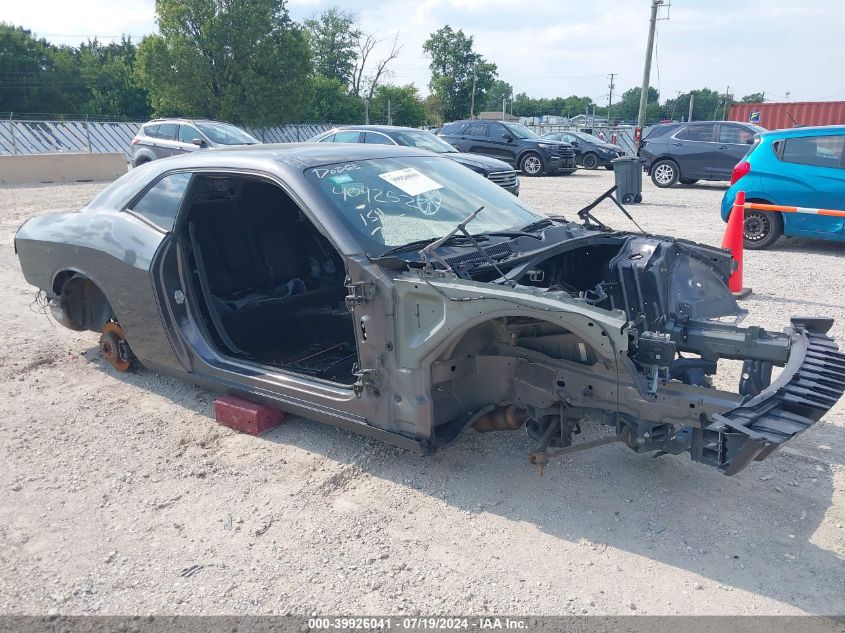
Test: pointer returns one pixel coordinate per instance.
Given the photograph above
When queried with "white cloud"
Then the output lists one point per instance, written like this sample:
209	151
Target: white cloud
70	23
557	48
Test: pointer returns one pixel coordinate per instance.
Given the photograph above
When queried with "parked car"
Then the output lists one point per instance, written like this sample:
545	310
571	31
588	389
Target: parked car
493	169
161	138
393	292
701	150
513	143
803	167
590	152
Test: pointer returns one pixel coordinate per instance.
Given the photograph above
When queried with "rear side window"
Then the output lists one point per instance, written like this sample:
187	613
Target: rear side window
735	135
452	128
377	139
348	136
818	151
151	130
167	131
476	129
161	203
696	133
656	131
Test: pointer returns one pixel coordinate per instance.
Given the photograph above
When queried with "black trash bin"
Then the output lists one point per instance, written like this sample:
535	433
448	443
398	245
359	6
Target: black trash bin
628	172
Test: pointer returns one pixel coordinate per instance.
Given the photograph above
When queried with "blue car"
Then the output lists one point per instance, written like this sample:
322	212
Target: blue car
802	167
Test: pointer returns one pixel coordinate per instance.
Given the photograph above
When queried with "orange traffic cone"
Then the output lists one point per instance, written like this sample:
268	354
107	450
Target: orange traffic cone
733	241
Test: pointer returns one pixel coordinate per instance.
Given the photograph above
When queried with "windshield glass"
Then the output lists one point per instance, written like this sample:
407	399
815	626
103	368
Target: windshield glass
423	140
388	202
226	134
519	130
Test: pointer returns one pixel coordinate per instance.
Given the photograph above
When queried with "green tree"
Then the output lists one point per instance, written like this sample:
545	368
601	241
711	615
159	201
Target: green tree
244	61
406	106
108	74
499	91
628	107
334	40
332	102
754	97
37	77
454	68
706	102
570	106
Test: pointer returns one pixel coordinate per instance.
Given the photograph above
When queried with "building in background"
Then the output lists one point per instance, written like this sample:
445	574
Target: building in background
778	116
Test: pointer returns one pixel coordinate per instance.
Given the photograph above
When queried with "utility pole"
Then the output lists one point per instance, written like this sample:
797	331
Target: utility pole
647	69
389	115
366	111
691	99
504	101
610	96
678	94
472	101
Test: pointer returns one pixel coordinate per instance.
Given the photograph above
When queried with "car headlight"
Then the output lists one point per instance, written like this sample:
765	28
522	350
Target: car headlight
543	145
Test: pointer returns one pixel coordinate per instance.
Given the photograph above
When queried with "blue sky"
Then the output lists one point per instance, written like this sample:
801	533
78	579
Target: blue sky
560	47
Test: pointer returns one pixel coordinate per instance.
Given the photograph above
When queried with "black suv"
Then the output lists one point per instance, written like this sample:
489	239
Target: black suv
701	150
513	143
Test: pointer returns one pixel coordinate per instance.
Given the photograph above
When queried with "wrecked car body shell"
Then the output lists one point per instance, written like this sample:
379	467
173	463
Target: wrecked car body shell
542	331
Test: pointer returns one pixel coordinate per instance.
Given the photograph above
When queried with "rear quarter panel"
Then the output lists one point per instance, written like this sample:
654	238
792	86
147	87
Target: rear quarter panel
114	250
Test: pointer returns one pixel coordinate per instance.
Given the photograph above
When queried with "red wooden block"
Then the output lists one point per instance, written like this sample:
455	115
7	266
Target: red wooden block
245	416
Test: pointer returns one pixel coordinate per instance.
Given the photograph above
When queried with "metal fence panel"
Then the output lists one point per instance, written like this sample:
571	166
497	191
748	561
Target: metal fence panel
621	135
18	136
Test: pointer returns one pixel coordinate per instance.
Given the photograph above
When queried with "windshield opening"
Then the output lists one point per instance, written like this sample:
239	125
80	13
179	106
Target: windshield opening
424	140
519	130
389	202
226	134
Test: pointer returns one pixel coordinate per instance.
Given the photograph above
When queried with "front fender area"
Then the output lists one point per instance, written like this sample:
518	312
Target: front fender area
463	345
499	358
435	309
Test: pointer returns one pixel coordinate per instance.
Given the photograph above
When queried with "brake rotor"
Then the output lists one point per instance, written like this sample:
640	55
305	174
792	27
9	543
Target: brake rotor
113	346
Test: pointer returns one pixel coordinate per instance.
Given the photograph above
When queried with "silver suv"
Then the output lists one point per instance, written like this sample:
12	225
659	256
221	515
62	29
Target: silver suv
161	138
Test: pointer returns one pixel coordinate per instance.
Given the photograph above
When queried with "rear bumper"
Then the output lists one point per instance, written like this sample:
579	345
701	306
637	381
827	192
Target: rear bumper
812	382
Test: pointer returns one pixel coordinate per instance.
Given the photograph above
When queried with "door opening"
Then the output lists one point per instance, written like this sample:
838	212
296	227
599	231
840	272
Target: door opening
271	285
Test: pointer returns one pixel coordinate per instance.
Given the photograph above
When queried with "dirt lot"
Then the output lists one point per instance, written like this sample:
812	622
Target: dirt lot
112	485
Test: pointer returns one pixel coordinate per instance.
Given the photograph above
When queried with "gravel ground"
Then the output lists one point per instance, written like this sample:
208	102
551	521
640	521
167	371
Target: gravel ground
112	485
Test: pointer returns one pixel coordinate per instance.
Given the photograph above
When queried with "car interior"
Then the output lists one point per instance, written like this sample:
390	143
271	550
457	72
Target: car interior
273	286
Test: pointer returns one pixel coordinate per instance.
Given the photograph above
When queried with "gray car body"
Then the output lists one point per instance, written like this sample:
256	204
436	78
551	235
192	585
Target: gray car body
439	351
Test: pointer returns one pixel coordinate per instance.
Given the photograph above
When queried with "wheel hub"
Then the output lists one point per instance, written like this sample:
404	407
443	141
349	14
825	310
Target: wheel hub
756	227
664	174
113	347
532	165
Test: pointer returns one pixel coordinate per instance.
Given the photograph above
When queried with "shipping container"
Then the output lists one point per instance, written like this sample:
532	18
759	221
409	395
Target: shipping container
778	116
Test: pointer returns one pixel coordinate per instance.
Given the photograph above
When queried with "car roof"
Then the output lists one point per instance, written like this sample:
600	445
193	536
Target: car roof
265	158
379	128
307	154
184	120
476	121
815	130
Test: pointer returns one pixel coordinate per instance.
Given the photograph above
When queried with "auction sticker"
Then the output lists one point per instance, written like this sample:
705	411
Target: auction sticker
410	181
